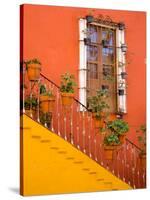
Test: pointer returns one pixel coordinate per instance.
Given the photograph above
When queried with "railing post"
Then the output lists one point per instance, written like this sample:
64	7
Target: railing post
71	125
38	101
31	99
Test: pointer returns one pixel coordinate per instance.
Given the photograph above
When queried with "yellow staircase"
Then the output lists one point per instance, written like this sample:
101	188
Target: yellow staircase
51	165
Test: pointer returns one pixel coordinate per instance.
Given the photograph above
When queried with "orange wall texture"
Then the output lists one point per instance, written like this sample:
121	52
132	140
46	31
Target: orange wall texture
51	34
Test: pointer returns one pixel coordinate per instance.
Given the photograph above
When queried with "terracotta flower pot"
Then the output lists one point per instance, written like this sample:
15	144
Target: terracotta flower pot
122	138
98	123
143	160
67	99
31	112
111	117
108	151
33	72
47	103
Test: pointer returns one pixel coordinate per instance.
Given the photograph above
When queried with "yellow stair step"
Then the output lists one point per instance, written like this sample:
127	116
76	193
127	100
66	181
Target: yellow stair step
51	165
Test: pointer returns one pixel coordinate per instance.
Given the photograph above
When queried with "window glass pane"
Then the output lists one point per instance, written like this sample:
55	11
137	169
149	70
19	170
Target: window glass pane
92	53
92	33
108	36
108	53
93	71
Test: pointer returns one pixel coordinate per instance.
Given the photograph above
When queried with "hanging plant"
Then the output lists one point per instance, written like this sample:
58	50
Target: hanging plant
89	16
121	92
87	41
121	26
124	48
123	75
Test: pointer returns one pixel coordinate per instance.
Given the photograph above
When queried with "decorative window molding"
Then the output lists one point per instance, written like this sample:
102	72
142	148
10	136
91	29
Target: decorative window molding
120	60
121	83
82	62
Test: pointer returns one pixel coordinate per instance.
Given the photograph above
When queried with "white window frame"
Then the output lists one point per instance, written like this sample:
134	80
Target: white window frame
120	57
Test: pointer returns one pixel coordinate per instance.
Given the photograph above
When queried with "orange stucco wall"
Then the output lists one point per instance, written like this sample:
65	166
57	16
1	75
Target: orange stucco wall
51	34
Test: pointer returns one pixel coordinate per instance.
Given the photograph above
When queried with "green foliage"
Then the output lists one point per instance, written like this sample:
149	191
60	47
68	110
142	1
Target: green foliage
97	103
118	126
109	78
45	118
111	139
30	101
44	91
67	83
142	134
32	61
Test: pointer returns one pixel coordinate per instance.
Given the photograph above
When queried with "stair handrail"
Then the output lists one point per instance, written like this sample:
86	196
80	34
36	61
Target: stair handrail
87	109
59	88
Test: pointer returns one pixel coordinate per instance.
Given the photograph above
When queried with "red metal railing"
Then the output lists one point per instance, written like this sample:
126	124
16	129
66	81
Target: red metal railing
75	124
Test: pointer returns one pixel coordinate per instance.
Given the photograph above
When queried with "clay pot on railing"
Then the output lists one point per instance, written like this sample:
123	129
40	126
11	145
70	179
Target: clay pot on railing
67	89
33	68
47	103
109	151
111	142
98	120
67	98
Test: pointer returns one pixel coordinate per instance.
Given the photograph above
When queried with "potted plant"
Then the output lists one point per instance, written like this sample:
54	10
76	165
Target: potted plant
123	75
89	17
33	68
47	100
142	140
124	48
121	26
30	105
121	92
98	107
87	41
118	127
111	141
45	119
67	89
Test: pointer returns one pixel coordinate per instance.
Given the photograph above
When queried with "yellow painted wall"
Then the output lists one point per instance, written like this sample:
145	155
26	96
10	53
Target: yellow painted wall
50	165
